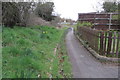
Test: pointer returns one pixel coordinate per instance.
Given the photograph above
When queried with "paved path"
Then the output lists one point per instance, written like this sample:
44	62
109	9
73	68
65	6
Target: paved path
84	65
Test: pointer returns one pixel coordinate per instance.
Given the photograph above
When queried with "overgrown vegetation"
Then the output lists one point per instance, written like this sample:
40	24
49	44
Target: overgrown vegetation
31	53
115	17
84	24
64	57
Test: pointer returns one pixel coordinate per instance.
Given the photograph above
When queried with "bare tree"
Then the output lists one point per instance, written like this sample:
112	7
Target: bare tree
10	13
16	13
24	8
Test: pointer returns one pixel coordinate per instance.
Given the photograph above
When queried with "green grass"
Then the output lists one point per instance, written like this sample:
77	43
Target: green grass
62	46
0	52
29	52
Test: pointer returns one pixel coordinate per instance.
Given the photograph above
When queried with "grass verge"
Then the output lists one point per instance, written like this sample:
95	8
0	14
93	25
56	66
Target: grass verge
30	53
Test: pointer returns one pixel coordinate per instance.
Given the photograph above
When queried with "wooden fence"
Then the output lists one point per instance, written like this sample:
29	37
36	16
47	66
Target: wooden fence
102	21
103	42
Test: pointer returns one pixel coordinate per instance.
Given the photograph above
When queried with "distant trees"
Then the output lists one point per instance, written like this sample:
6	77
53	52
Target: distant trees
107	6
56	20
110	6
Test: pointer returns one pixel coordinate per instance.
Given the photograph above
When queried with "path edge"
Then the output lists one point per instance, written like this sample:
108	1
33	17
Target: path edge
96	55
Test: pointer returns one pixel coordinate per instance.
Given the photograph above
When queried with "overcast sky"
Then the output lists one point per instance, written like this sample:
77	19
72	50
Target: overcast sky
71	8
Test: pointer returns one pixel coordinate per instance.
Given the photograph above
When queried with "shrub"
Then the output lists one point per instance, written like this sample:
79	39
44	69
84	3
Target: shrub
87	24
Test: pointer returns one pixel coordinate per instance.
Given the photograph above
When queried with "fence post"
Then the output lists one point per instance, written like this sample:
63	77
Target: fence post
101	42
109	43
105	42
117	47
110	21
114	40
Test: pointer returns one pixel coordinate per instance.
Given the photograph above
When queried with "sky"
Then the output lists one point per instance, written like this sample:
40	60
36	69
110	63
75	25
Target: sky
71	8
